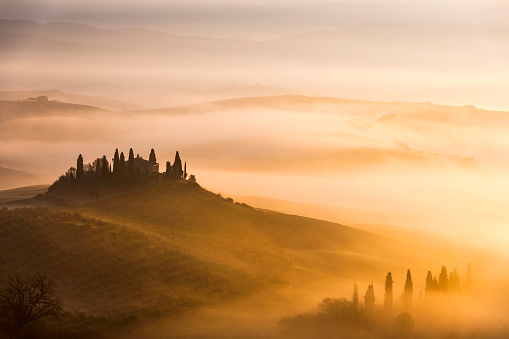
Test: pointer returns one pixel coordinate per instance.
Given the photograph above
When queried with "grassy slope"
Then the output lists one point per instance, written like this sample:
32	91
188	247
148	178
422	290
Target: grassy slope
102	267
207	224
146	250
216	230
173	246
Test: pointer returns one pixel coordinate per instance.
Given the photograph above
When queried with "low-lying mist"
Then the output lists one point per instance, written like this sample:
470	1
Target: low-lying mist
413	164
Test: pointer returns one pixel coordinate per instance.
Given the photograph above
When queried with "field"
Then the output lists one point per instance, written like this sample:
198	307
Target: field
174	256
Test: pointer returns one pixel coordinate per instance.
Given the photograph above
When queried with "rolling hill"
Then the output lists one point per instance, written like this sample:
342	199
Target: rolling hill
23	109
173	248
340	56
386	112
10	178
80	99
21	193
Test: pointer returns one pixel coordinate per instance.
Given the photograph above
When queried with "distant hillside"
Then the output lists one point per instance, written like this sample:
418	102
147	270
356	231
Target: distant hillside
217	229
173	247
10	178
293	102
101	102
21	193
208	231
407	113
15	109
314	59
176	96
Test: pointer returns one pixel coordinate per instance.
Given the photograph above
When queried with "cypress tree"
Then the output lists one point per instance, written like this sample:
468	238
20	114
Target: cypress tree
177	166
105	171
429	282
121	165
185	169
130	163
116	161
168	174
369	298
98	162
388	292
443	282
152	156
409	290
79	167
435	284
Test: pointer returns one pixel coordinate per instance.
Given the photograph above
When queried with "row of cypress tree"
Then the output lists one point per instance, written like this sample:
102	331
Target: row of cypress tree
444	284
121	168
101	177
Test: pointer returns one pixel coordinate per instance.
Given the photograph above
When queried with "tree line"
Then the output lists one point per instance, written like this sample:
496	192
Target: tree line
350	317
444	284
102	177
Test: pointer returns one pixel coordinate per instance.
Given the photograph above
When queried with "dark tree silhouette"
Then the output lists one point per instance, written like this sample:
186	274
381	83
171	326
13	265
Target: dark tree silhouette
185	169
355	295
79	168
443	282
121	165
169	173
435	284
388	292
105	169
369	299
71	174
177	167
152	156
97	166
430	283
26	300
130	163
409	290
468	282
116	163
192	178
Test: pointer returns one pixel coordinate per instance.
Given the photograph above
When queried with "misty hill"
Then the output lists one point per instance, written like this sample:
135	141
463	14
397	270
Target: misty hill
385	112
24	109
176	96
138	95
391	44
173	246
21	193
10	178
88	100
337	59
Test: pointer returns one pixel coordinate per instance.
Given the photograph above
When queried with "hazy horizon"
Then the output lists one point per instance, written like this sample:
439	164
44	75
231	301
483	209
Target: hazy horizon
378	128
283	17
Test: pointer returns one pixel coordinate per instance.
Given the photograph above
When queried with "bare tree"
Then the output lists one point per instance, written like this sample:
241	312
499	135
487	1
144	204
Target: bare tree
26	300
